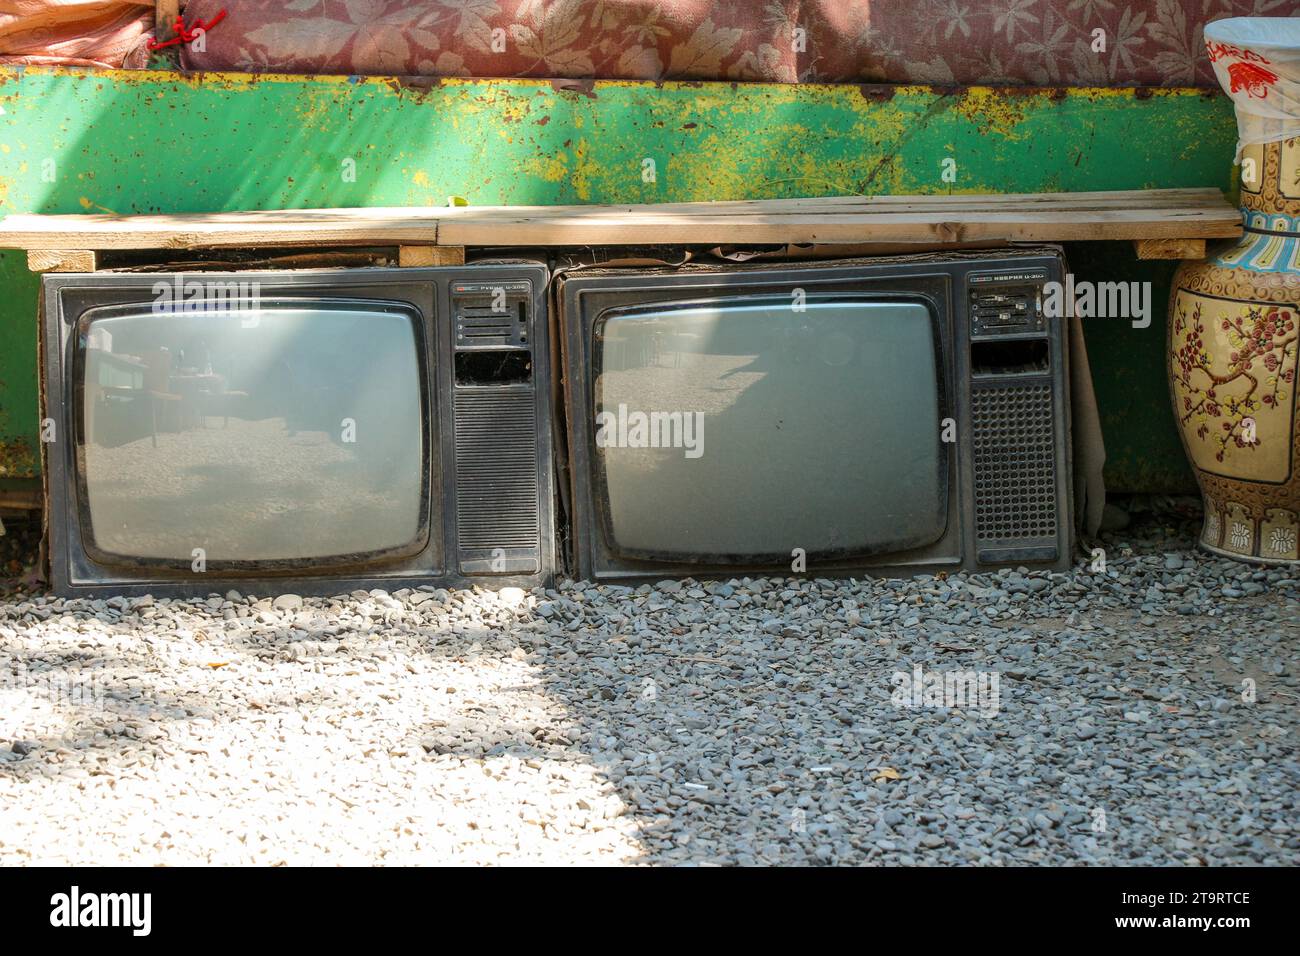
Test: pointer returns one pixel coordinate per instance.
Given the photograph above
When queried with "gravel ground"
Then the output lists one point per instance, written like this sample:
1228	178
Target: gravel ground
749	721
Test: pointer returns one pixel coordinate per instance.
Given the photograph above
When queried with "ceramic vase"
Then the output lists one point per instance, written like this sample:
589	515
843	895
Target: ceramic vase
1233	324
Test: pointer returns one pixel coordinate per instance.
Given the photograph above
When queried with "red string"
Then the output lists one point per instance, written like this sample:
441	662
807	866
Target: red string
182	34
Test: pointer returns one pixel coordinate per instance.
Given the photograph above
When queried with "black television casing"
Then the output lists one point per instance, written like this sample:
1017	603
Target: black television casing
489	496
1009	481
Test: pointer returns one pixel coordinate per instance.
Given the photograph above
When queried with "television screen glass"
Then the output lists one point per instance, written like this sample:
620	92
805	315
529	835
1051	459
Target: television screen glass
288	435
744	429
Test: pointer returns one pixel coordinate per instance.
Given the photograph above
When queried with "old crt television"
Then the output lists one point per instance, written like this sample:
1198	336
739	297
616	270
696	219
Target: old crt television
312	431
874	416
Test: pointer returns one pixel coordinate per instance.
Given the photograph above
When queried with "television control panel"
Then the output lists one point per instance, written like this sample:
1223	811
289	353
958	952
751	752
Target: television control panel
1016	402
491	315
1006	303
499	423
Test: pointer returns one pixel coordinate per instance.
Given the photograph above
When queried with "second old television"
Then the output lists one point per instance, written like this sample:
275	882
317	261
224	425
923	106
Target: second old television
871	416
314	431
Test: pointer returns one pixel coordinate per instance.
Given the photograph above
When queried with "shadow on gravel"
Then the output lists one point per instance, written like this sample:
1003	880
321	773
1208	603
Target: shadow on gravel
752	722
80	700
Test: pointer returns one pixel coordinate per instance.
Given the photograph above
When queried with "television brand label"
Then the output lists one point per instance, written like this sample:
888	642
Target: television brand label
489	288
636	429
1030	275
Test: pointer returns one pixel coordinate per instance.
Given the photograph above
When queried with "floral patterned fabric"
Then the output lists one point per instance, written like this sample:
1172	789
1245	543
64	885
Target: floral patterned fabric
109	33
1000	42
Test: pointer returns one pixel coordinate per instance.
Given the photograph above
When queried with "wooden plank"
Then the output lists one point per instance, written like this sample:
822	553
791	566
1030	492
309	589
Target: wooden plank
1201	198
1153	201
21	499
430	256
1170	248
573	226
1136	214
62	260
297	227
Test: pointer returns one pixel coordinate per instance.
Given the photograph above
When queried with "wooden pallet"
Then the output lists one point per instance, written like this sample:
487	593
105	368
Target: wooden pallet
1163	223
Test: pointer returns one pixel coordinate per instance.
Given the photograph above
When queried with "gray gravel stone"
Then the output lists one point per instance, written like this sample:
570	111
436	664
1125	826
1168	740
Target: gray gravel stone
746	721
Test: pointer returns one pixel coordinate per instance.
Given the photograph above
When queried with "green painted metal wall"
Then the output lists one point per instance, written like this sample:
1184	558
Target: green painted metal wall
124	142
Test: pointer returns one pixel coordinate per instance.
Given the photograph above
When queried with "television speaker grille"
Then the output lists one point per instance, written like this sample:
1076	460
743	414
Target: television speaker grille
1015	463
496	469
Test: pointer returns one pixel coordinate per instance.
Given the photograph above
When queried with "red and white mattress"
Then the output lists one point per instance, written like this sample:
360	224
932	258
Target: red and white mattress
945	42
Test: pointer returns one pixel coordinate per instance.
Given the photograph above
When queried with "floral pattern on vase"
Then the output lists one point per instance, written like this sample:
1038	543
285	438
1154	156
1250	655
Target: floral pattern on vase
1234	376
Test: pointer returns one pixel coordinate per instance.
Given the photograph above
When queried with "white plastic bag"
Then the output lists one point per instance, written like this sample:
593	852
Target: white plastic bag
1257	62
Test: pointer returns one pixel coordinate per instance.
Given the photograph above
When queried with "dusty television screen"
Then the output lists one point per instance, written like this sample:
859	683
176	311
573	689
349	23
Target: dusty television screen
261	436
749	429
